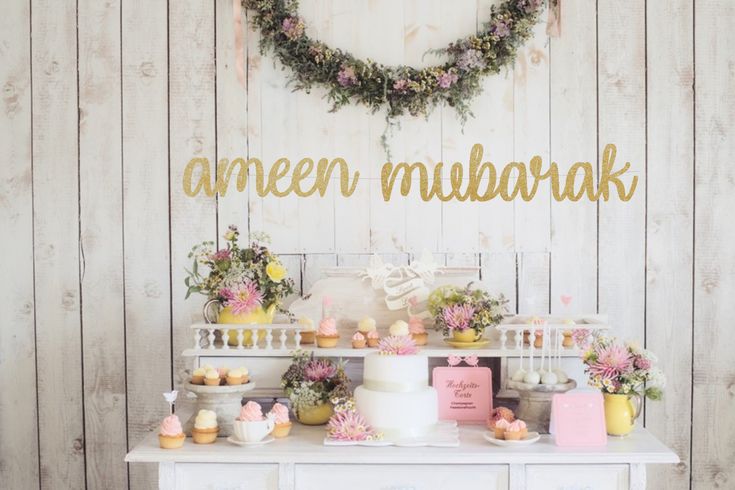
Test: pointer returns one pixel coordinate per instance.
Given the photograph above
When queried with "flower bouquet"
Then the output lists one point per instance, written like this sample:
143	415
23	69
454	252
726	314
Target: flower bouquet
624	373
311	384
465	313
248	284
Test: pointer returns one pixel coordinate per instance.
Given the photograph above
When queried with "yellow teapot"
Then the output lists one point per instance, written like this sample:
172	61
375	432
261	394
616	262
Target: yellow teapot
258	316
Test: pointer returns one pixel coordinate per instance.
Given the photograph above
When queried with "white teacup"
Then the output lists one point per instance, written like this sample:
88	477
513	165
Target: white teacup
253	431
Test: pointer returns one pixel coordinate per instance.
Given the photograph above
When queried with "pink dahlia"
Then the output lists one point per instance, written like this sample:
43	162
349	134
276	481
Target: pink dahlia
612	361
402	345
319	370
458	317
243	299
349	425
641	362
220	255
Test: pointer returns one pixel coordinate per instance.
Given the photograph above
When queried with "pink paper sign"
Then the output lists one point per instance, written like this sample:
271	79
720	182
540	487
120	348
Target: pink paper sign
465	393
578	419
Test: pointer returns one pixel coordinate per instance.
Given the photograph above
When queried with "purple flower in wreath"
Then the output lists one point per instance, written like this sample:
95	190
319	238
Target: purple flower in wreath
293	27
346	76
501	29
530	5
470	59
400	85
447	79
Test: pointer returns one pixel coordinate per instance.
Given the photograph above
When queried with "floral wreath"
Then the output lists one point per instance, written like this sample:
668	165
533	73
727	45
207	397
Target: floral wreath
401	89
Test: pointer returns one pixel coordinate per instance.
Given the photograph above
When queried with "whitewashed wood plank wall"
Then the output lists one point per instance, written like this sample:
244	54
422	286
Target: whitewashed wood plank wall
103	103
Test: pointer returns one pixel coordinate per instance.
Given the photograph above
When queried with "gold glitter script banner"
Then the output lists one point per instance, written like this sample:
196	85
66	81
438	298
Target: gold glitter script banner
481	181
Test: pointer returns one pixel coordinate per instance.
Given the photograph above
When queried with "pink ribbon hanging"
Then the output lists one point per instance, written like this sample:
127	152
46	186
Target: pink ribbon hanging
553	20
469	360
239	41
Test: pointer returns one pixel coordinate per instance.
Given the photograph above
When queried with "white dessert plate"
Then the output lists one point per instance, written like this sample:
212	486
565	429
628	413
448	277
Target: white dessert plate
238	442
530	439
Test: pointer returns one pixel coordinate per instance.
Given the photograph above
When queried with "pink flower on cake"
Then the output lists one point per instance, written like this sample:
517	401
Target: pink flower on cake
319	370
397	345
458	317
171	426
349	425
251	412
242	299
612	361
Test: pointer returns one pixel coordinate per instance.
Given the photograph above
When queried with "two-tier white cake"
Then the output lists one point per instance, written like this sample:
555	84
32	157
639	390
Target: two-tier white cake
395	397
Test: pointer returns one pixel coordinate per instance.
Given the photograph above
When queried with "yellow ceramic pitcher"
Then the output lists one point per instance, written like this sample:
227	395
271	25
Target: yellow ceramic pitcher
620	413
257	316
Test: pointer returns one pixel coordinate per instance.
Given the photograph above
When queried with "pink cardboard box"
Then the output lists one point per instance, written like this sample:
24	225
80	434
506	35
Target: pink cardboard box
578	419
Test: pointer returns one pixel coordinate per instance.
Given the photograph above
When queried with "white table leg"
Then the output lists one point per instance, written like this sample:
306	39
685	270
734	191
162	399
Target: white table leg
286	476
166	476
517	477
637	476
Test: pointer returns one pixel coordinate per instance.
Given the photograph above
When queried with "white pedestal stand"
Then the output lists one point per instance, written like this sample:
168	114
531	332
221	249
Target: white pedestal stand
534	406
225	401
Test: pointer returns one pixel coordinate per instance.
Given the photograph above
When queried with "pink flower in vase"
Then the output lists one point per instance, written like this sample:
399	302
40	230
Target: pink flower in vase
612	361
221	255
458	317
242	299
641	362
319	370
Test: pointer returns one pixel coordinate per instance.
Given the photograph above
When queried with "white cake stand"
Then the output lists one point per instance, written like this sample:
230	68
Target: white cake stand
225	401
534	406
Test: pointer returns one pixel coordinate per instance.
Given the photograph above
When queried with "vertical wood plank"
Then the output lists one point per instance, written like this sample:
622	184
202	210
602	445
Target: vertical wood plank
18	415
421	138
146	212
714	229
669	227
191	133
531	138
622	121
460	220
56	246
492	126
387	219
231	118
100	219
573	107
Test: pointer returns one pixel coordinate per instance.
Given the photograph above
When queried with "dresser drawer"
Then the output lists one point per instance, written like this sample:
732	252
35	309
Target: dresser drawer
210	476
578	477
400	477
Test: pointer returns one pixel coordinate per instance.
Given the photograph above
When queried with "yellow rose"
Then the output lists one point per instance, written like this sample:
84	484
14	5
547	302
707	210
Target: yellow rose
276	272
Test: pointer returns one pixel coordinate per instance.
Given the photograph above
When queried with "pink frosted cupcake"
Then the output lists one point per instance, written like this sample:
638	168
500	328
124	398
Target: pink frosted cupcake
373	339
417	330
171	435
358	341
516	431
498	414
283	425
327	335
501	426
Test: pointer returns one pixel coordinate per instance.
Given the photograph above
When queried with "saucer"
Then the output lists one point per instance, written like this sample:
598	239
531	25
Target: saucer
467	345
238	442
530	439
